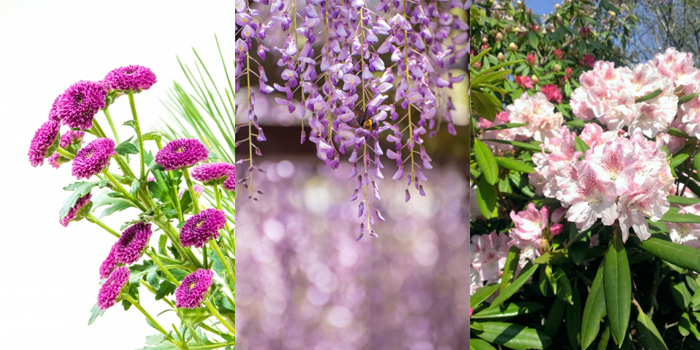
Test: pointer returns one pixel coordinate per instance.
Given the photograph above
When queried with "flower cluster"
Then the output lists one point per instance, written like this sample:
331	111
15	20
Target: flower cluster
488	254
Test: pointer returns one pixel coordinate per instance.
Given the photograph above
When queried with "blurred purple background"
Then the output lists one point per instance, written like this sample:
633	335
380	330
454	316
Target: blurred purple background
303	282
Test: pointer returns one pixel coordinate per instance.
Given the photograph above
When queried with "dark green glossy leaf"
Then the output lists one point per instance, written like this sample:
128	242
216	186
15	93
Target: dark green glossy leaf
509	310
513	288
594	310
573	319
486	161
649	336
618	289
681	218
555	317
534	146
485	105
505	126
482	294
674	253
513	336
478	344
512	164
486	198
683	200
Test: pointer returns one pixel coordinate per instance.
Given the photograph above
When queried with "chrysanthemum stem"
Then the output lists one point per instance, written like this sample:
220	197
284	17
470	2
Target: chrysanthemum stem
173	236
65	153
137	126
123	191
152	320
98	129
99	223
216	313
195	202
111	124
224	260
217	194
162	267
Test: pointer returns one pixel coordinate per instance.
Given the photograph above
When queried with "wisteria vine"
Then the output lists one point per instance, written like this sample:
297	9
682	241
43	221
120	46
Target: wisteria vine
343	59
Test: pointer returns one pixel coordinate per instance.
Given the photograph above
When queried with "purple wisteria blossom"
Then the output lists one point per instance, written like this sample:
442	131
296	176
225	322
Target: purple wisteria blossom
181	153
73	212
129	247
109	292
202	227
213	173
93	158
194	288
44	137
77	106
132	78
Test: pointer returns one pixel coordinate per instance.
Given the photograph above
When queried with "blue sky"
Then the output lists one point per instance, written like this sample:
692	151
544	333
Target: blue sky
541	6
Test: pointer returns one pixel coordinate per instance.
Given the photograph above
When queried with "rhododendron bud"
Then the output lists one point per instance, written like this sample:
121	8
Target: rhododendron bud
557	6
557	68
530	59
612	14
569	71
499	37
477	65
501	57
558	215
556	229
535	79
484	40
513	46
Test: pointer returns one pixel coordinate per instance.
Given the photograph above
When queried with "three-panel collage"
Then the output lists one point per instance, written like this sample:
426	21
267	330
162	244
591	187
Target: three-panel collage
239	174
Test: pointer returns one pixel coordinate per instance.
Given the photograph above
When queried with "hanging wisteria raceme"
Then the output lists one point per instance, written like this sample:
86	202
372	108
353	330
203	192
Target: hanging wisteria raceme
355	70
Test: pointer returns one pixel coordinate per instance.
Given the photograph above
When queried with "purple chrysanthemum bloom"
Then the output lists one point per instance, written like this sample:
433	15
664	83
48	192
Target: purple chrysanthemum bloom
80	102
230	183
213	173
67	139
109	264
193	289
92	158
79	204
44	137
181	153
109	292
202	227
130	78
130	245
53	113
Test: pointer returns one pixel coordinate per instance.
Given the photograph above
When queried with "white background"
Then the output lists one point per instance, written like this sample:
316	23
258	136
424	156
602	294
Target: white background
49	274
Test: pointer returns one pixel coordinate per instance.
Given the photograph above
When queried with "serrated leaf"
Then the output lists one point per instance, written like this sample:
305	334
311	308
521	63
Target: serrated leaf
94	313
79	189
125	148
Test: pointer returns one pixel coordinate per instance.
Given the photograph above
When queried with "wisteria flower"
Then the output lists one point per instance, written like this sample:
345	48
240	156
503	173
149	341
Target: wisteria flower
213	173
78	105
93	158
129	247
132	78
193	289
202	227
109	292
73	212
109	264
181	153
44	137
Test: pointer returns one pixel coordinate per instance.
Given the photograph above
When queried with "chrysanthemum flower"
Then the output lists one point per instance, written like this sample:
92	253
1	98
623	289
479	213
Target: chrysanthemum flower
130	78
79	204
193	289
181	153
213	173
44	137
109	264
67	139
202	227
92	158
109	292
78	105
230	182
130	245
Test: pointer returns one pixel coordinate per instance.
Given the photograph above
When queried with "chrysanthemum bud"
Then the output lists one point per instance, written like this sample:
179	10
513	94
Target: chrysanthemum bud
557	68
501	57
513	46
535	79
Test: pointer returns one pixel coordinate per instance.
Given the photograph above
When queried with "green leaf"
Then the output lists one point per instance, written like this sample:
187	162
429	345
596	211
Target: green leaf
534	146
486	198
680	294
114	204
505	126
573	320
533	38
79	189
674	253
512	164
478	57
683	200
478	344
594	310
646	97
580	146
678	133
678	160
513	288
618	289
560	283
483	78
510	310
510	267
686	98
684	325
649	336
681	218
696	163
513	336
486	161
555	317
482	294
578	123
94	313
125	148
166	288
486	105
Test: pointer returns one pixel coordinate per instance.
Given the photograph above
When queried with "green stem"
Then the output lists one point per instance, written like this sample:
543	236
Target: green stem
99	223
123	191
210	346
97	129
162	267
204	256
218	316
111	124
195	202
65	153
138	133
224	260
173	236
153	321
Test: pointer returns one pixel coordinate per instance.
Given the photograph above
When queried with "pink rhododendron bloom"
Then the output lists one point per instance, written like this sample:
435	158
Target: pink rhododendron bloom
552	92
554	168
689	114
686	234
503	134
679	67
524	81
605	94
530	222
590	197
488	255
538	113
640	202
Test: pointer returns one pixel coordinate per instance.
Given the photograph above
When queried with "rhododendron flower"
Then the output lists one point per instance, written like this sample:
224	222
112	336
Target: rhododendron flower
590	196
130	79
689	114
587	60
552	92
679	67
73	212
202	227
181	153
129	247
554	169
686	234
639	203
503	134
538	113
109	292
93	158
193	289
489	254
558	54
44	137
530	222
530	59
524	81
78	105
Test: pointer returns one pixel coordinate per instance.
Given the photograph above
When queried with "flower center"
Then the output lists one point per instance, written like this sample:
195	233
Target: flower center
199	224
181	149
192	285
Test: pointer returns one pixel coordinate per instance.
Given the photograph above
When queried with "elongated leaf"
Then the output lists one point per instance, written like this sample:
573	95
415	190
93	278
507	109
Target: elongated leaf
678	160
125	148
618	289
499	66
561	284
505	126
647	97
478	344
486	105
482	78
681	218
686	98
513	288
513	336
555	317
678	133
578	123
580	146
535	147
649	336
510	310
79	189
512	164
573	320
674	253
594	310
486	161
684	325
478	57
486	197
683	200
510	267
482	294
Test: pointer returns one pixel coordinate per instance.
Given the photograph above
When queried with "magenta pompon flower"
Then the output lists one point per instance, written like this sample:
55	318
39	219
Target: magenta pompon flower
230	182
193	289
44	137
202	227
109	264
79	204
132	78
181	153
128	249
109	292
77	106
67	139
213	173
92	158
